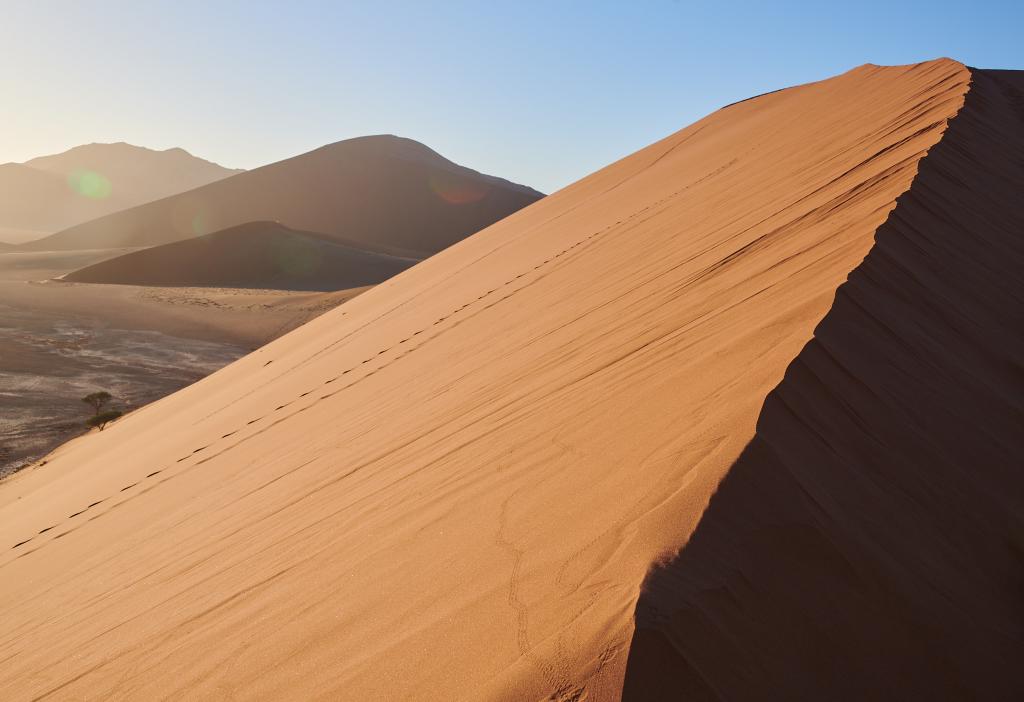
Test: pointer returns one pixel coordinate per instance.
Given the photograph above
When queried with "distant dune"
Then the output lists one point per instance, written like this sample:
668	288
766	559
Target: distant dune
252	255
51	193
379	190
735	417
12	236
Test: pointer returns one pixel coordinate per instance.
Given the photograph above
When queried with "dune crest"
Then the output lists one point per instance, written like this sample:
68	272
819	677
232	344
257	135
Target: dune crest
868	542
455	485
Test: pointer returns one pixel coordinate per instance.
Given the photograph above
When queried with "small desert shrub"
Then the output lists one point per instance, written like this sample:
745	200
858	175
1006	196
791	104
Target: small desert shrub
97	400
102	419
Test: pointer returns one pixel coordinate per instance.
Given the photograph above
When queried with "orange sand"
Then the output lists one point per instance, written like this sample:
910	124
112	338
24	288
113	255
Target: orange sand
455	485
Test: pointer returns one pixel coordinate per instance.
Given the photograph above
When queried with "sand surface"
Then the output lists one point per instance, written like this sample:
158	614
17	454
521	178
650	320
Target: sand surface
869	541
457	485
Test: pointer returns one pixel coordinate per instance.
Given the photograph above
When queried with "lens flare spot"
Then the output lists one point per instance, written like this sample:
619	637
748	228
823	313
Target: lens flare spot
199	225
189	217
456	190
90	184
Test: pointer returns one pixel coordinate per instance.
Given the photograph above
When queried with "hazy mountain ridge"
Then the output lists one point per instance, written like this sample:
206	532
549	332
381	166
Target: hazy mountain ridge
53	192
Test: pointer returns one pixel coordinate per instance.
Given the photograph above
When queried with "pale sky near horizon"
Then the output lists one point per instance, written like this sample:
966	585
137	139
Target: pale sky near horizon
540	93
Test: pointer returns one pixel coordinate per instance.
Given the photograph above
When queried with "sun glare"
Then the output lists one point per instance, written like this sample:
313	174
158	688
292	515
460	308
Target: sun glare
90	184
457	191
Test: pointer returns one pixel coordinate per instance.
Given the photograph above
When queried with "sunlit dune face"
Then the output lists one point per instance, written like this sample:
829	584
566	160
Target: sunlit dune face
457	191
90	184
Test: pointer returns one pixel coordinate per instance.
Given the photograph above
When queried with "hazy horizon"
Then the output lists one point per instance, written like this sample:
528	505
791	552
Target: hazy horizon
244	85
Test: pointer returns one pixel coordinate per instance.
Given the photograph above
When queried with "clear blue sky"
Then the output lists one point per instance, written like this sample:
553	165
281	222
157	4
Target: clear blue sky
541	93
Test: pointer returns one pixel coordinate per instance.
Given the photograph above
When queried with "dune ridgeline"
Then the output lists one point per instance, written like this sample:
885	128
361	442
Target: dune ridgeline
383	191
736	416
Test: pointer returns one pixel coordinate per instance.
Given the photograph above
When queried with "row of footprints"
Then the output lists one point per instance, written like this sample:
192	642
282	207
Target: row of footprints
407	340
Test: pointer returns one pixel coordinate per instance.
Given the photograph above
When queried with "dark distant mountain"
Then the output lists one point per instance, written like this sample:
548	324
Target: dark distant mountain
380	190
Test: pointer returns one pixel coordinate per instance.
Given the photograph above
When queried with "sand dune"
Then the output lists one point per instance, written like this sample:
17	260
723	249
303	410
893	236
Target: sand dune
36	201
379	190
873	524
12	236
255	255
54	192
494	476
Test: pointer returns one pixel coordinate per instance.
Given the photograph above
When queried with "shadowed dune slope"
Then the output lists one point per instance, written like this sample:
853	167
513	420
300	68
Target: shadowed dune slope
455	485
54	192
254	255
381	190
869	541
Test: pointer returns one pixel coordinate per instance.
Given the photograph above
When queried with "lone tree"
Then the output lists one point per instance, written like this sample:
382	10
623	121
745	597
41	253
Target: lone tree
97	400
101	419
